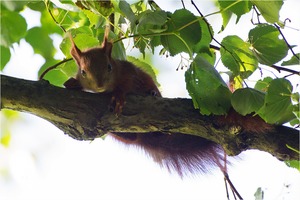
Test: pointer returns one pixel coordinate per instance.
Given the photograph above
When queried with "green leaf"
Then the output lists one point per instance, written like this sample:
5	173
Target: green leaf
41	42
67	18
237	7
296	112
237	56
8	119
13	28
178	37
209	92
96	21
204	44
104	8
151	22
266	45
36	5
278	108
269	9
293	163
5	138
5	57
293	61
55	76
47	22
247	100
263	85
226	16
69	68
82	41
144	66
14	5
127	12
209	56
259	194
296	97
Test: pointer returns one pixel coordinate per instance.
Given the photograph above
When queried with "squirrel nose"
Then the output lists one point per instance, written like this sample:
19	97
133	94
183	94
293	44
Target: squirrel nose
100	87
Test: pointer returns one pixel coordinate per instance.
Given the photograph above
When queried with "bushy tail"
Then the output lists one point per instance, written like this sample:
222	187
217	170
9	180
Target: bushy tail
180	153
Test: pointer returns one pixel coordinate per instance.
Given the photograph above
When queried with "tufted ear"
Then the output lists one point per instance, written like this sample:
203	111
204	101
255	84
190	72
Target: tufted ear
75	52
106	44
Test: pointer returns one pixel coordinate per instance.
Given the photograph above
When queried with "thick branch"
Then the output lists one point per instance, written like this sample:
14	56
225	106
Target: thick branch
85	116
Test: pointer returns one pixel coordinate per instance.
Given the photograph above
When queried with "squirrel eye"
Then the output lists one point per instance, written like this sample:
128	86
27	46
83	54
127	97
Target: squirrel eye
83	73
109	67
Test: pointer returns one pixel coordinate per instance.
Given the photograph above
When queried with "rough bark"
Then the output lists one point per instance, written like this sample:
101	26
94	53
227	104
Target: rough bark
85	116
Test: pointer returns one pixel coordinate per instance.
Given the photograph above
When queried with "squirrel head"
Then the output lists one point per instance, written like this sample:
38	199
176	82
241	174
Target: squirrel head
95	66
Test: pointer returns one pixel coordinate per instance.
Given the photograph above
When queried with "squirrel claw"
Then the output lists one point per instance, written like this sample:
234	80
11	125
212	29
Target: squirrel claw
116	105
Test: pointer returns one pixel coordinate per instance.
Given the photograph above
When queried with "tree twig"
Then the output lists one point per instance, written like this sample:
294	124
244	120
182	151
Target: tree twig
50	12
289	46
278	68
53	67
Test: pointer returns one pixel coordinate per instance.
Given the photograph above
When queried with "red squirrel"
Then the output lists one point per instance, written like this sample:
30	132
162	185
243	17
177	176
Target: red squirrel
99	72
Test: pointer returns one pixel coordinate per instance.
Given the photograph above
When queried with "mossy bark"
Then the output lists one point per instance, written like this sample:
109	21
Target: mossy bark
85	116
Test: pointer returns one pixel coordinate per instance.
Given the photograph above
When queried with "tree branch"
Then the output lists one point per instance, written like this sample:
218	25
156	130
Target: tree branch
278	68
85	116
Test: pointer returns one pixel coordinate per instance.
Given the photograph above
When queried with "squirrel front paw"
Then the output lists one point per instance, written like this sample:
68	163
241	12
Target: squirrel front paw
116	104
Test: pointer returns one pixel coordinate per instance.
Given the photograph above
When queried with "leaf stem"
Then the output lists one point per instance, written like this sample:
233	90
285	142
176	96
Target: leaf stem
50	12
289	46
53	67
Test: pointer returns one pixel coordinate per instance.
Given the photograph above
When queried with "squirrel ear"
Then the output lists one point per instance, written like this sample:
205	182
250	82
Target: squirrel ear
75	52
106	45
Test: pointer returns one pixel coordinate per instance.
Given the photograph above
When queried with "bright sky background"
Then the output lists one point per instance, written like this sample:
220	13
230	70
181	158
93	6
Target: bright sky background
43	163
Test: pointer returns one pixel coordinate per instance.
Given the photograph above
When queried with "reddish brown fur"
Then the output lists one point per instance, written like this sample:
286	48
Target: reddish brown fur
184	154
248	123
99	72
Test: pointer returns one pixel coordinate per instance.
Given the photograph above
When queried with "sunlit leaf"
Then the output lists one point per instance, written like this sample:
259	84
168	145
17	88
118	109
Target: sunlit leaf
266	45
13	28
237	56
226	16
293	163
82	41
206	87
48	24
69	68
39	39
104	8
238	8
269	9
263	85
5	138
16	6
5	56
56	77
96	21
